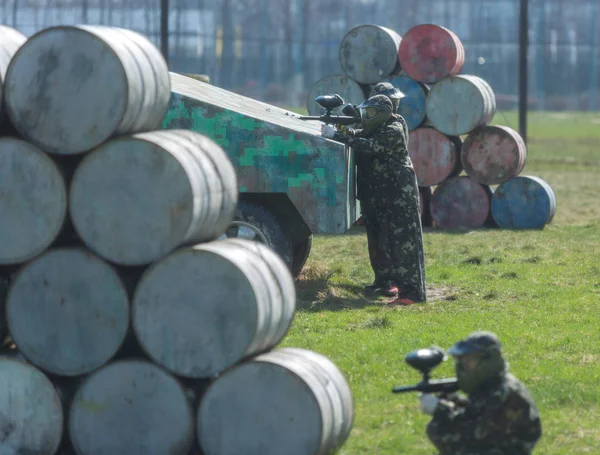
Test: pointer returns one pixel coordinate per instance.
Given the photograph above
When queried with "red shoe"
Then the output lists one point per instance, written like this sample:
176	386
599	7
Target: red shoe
401	301
389	290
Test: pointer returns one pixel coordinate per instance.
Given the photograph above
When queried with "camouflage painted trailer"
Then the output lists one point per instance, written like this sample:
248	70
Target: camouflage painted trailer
293	182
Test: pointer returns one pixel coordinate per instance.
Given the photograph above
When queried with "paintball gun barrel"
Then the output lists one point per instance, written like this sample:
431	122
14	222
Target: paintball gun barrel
426	360
330	102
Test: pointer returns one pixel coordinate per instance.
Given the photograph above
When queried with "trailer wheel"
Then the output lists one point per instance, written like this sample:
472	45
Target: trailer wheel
254	222
301	253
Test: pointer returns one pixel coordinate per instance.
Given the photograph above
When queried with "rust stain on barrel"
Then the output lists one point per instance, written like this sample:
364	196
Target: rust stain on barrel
460	203
429	52
493	154
434	155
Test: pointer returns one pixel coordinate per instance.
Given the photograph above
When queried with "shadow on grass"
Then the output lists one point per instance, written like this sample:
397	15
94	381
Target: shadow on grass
322	289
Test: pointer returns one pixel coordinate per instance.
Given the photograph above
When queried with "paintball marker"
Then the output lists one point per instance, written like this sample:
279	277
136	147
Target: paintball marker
330	102
426	360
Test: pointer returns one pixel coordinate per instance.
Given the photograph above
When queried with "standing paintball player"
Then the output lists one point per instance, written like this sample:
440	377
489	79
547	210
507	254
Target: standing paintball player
389	198
498	417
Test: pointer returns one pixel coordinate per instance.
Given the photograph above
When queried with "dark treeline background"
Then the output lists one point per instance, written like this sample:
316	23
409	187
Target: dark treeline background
274	50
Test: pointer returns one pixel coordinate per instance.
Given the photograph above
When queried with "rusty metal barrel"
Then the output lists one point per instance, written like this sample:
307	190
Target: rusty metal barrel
434	155
457	105
369	53
31	413
67	311
347	88
524	202
295	402
10	42
202	309
136	198
33	200
460	203
131	407
493	154
428	53
70	88
412	106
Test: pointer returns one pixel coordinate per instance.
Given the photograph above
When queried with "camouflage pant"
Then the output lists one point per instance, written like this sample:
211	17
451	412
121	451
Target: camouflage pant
392	218
449	442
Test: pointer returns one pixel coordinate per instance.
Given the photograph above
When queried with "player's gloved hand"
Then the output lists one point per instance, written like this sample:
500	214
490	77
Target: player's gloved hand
428	403
327	131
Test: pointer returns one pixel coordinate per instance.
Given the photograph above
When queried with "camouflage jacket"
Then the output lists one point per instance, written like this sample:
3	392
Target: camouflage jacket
379	154
499	419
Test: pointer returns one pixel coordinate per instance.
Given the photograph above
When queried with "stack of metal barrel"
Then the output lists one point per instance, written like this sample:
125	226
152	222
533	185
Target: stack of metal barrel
129	327
467	169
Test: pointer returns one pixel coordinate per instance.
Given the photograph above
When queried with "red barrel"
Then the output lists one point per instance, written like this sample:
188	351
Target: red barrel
460	203
429	53
435	156
493	154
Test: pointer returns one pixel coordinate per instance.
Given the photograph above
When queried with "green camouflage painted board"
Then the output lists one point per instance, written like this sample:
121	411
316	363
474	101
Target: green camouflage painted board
272	150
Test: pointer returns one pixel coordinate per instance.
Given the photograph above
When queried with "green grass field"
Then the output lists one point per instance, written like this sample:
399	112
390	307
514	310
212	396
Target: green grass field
538	290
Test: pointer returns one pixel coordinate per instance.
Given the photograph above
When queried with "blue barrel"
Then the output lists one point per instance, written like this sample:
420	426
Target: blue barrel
457	105
412	106
523	202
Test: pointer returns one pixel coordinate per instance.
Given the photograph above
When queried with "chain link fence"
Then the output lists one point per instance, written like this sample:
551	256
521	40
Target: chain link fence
274	50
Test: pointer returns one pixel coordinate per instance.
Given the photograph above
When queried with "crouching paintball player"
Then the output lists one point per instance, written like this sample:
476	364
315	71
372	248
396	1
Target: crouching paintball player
498	416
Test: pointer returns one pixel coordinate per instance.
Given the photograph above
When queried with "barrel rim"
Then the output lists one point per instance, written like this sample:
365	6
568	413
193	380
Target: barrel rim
279	271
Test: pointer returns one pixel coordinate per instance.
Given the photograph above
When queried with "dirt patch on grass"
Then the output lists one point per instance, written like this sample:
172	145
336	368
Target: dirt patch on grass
322	288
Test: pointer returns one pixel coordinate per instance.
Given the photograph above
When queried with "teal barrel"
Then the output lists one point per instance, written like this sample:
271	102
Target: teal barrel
347	88
457	105
97	82
131	407
493	154
288	401
10	42
135	199
369	53
202	309
524	202
429	53
461	203
31	412
67	311
412	106
33	200
435	156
